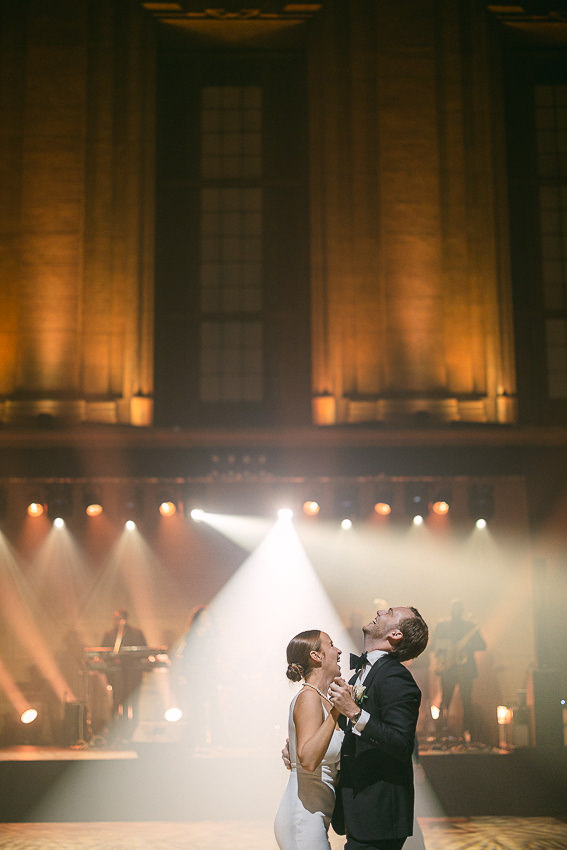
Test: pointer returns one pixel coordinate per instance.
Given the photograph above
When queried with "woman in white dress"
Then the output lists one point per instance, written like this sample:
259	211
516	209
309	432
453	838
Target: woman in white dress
304	814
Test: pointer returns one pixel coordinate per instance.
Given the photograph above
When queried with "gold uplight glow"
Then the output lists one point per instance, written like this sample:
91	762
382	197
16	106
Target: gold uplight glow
167	509
504	715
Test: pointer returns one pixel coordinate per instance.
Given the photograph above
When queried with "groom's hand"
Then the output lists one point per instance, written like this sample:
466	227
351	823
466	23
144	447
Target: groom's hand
341	698
285	755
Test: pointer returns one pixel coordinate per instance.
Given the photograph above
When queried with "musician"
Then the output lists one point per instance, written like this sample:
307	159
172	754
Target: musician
126	678
455	641
195	660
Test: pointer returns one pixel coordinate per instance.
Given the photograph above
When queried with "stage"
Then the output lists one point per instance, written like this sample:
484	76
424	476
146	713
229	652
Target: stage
164	797
167	782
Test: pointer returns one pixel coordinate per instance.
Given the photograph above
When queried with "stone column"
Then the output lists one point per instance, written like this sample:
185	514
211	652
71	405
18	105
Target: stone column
76	228
411	308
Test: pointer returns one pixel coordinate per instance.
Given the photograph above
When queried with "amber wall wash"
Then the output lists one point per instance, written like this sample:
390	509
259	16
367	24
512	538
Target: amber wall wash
76	233
410	289
411	300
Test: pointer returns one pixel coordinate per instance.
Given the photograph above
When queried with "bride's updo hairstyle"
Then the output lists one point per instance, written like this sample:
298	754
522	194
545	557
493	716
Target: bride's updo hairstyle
298	654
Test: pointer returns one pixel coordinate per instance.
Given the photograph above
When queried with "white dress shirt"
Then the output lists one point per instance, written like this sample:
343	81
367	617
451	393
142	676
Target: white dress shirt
372	658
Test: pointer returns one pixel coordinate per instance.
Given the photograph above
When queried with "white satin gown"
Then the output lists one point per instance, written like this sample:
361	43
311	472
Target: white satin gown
304	814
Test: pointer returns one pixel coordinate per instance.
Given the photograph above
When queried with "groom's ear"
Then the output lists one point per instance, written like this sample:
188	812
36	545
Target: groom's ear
315	655
394	637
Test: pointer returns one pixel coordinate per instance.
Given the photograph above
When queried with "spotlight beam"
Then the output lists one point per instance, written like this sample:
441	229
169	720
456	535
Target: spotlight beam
13	693
13	591
274	594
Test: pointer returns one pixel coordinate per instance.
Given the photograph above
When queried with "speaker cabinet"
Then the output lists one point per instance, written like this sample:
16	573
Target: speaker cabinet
75	724
544	697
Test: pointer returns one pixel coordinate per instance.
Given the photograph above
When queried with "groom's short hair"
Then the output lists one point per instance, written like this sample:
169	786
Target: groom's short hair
415	636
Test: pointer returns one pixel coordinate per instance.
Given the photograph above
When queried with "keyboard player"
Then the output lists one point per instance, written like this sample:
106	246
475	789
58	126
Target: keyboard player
124	677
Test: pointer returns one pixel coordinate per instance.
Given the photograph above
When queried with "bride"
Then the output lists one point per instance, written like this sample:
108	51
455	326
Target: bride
304	814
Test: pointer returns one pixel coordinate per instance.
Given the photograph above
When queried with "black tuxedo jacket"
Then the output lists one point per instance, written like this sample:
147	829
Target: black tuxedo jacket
131	637
375	795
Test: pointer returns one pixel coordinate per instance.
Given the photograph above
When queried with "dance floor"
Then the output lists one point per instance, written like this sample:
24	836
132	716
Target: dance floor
489	833
160	798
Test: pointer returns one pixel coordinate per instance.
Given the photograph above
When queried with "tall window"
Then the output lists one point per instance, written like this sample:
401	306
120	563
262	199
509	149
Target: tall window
232	287
536	112
231	269
551	136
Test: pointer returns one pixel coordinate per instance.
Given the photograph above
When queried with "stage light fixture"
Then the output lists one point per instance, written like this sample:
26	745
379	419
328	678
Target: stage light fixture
441	504
481	523
197	515
311	507
130	525
59	522
35	509
285	514
92	503
167	508
28	716
504	718
173	714
346	524
417	498
167	500
418	519
383	501
504	715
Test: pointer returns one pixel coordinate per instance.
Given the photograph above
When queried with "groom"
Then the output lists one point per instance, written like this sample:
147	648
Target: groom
375	796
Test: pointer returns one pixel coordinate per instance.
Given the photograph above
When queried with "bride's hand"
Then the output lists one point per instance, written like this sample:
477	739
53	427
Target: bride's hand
334	710
342	697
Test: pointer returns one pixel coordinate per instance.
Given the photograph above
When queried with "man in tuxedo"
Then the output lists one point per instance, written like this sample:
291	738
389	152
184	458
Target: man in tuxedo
375	796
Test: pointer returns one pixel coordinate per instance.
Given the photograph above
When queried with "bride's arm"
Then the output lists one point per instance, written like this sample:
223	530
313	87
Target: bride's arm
313	729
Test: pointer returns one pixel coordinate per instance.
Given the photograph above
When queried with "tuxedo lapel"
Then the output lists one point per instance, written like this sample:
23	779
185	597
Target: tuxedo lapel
372	673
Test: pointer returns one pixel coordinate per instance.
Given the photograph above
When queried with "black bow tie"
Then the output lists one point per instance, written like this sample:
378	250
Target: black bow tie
358	662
